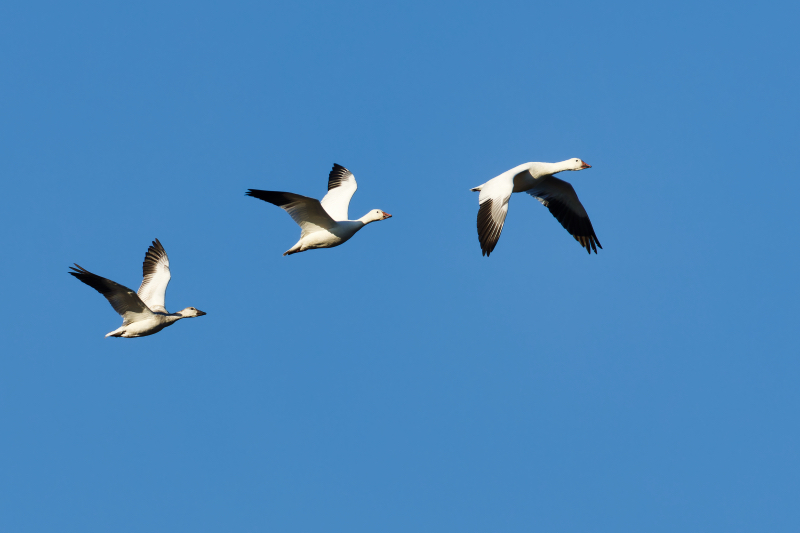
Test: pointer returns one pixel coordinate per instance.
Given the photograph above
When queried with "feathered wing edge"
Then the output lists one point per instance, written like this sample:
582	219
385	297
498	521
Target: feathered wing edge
338	175
489	228
307	212
155	277
341	188
560	198
124	301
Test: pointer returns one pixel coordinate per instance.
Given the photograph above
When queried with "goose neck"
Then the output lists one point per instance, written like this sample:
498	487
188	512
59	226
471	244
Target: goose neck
538	170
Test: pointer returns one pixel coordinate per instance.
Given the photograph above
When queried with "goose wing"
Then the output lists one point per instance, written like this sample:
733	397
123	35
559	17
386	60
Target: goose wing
560	198
155	277
307	212
341	187
493	201
124	301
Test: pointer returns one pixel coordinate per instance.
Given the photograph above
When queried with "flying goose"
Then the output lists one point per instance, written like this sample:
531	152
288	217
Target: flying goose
537	180
323	224
143	312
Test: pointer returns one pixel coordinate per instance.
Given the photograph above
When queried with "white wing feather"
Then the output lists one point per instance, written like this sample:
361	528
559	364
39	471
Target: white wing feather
341	187
493	200
156	276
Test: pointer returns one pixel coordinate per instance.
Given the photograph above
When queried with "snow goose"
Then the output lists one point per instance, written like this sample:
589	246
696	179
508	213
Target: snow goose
143	312
323	224
537	180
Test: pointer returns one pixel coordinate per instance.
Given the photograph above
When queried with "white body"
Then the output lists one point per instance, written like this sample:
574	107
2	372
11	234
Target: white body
147	326
336	234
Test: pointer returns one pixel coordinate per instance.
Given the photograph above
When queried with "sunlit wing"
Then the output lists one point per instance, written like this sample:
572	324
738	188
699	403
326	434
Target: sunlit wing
156	276
493	210
341	187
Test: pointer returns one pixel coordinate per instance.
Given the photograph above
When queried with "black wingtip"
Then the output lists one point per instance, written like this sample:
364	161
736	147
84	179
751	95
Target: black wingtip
589	242
152	257
155	249
274	197
79	270
337	175
488	230
93	280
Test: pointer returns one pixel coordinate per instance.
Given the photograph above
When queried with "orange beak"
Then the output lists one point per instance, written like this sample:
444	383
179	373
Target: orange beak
585	165
386	215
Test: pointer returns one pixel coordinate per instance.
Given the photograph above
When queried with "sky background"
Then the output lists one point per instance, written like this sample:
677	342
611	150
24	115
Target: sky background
401	382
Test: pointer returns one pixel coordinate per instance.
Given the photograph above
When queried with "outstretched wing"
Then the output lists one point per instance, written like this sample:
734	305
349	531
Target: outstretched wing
494	197
307	212
341	187
559	197
122	299
155	277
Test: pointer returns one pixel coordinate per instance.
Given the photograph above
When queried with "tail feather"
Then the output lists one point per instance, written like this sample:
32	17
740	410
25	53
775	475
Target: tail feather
116	333
294	249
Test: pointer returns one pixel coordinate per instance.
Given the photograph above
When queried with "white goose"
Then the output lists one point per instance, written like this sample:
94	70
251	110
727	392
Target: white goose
537	180
323	224
143	313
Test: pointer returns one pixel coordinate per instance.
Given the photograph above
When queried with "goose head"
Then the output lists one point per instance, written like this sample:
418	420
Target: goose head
374	216
191	312
576	164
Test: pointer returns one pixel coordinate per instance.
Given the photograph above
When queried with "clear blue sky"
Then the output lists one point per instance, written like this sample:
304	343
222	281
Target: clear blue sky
401	382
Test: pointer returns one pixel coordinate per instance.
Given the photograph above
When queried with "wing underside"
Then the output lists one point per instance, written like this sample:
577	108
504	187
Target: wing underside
307	212
560	198
124	301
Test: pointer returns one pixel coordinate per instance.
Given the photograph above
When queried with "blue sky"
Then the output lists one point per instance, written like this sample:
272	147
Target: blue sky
402	381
